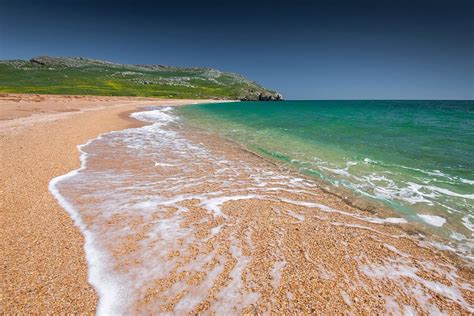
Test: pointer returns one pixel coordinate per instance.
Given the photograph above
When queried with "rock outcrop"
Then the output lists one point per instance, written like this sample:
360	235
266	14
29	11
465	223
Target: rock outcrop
270	97
263	96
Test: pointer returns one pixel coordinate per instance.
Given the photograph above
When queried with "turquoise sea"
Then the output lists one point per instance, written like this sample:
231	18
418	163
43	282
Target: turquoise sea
413	157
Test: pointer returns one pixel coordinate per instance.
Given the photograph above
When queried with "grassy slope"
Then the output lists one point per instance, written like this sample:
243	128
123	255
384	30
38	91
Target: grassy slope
89	77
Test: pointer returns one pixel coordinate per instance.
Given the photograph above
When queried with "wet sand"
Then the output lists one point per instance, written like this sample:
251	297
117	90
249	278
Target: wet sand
43	267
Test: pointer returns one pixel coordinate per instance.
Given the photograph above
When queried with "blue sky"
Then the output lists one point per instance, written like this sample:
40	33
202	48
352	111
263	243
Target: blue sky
304	49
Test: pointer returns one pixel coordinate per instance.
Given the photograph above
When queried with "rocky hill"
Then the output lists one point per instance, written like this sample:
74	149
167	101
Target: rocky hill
75	75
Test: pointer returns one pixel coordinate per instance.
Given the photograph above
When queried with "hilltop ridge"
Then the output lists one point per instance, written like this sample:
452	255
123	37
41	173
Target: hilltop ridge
78	75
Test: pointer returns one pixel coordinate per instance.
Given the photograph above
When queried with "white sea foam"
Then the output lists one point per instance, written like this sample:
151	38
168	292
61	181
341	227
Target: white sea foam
110	291
457	236
451	193
346	298
399	269
214	204
431	188
433	219
155	116
299	217
395	250
338	171
391	306
324	208
468	222
276	273
234	297
467	181
160	164
198	293
324	273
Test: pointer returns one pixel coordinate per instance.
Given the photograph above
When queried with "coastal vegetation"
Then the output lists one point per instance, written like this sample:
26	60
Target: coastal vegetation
81	76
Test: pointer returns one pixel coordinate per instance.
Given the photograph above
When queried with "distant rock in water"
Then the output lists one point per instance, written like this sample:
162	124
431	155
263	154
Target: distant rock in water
270	97
263	96
84	76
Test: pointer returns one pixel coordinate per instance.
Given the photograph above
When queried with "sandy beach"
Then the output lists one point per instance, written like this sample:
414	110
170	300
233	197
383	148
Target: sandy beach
237	158
43	265
200	225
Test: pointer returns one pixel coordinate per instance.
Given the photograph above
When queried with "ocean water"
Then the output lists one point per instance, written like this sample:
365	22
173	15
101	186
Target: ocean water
414	157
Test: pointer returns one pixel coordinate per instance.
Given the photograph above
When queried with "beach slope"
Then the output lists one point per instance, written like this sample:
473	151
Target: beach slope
43	266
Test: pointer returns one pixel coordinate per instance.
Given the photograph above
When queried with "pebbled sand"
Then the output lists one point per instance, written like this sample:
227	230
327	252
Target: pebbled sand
43	266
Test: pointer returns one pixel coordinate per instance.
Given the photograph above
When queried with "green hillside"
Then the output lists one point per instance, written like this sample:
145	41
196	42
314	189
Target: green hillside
80	76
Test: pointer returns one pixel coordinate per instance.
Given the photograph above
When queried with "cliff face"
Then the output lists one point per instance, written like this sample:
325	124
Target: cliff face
76	75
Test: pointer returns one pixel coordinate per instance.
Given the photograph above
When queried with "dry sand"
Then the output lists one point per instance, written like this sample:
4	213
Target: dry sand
43	266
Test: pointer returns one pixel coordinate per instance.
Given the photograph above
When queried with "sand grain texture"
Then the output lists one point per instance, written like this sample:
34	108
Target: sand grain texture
43	264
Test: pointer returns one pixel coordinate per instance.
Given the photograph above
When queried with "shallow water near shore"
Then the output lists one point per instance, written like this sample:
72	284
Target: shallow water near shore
415	157
177	220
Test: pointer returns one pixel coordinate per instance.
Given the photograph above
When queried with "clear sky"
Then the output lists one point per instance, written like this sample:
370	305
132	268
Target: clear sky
337	49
